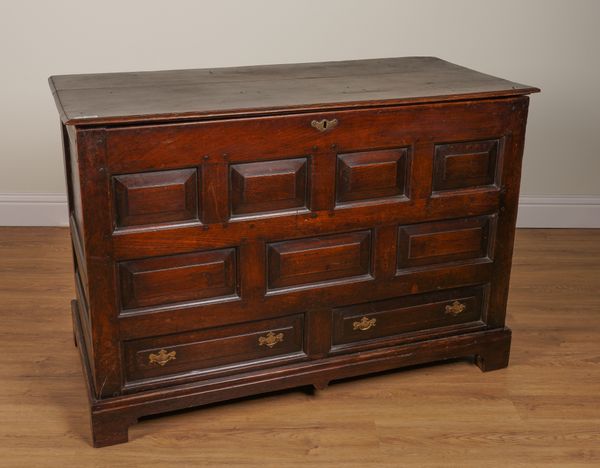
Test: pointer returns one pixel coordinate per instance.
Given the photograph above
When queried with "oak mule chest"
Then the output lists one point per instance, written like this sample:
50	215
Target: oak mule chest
243	230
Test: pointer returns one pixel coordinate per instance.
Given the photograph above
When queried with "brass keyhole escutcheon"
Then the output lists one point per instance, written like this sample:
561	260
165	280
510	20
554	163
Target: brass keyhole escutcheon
162	357
455	308
270	339
323	125
364	324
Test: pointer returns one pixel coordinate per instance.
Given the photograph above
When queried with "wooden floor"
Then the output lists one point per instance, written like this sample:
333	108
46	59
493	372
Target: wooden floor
544	410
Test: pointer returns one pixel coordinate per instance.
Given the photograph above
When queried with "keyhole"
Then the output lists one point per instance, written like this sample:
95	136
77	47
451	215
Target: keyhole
325	124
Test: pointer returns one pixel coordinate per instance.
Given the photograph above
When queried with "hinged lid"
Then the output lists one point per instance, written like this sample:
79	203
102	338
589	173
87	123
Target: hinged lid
112	98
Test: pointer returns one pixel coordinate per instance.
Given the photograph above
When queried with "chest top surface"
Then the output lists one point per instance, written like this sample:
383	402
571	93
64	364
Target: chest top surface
160	96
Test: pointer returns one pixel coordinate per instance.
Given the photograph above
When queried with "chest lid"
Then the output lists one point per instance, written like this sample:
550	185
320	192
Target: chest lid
160	96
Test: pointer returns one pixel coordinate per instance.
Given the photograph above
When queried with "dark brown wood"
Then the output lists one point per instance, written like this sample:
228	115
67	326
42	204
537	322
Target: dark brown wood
318	259
247	346
465	165
156	197
257	305
142	148
268	186
401	315
372	174
100	304
318	232
445	241
190	94
177	278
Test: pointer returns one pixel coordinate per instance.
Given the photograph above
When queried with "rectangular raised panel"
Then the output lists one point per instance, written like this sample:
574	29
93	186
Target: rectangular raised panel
465	165
318	259
177	278
156	197
245	345
371	175
409	314
444	241
268	186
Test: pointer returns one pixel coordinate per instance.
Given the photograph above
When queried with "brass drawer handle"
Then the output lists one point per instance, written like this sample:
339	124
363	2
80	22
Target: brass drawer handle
270	340
162	357
323	125
456	308
364	324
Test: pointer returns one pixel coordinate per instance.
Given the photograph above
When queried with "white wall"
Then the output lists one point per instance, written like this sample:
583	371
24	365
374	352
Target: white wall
552	44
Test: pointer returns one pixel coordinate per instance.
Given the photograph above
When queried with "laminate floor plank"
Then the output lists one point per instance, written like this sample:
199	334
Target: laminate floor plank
542	411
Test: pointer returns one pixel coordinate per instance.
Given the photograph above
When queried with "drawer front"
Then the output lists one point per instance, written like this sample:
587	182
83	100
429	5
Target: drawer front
405	315
240	346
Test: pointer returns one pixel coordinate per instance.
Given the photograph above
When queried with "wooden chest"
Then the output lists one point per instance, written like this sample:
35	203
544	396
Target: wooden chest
243	230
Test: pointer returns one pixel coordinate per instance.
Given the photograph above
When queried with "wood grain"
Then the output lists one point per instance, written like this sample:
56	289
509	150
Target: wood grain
177	278
268	186
404	315
543	410
323	258
240	346
156	197
371	174
444	241
184	94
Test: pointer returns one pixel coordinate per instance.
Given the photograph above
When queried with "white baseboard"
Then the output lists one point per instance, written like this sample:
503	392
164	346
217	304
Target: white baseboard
567	211
33	209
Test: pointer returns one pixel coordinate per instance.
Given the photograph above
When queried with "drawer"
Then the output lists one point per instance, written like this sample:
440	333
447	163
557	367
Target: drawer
423	313
235	347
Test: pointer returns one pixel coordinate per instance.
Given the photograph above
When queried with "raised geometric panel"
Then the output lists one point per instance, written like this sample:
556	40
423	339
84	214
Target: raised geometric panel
444	241
177	278
318	259
268	186
465	165
156	197
371	174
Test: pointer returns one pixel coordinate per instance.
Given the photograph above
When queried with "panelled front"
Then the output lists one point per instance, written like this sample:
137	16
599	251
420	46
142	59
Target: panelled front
222	223
294	181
